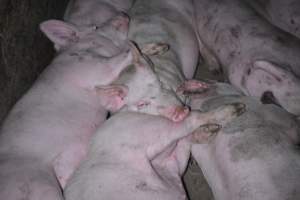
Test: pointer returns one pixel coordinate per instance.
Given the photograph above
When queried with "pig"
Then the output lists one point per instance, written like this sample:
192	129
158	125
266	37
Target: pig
256	57
95	12
172	23
133	156
47	132
254	156
145	92
283	14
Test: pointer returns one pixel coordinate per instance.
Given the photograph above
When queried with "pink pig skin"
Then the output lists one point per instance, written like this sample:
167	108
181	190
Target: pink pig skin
95	12
257	57
47	132
134	156
254	156
170	22
283	14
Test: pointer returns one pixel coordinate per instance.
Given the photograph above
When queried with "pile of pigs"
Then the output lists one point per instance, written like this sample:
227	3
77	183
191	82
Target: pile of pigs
118	112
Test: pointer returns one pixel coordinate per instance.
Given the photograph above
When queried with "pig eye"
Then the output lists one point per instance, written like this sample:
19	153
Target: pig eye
142	104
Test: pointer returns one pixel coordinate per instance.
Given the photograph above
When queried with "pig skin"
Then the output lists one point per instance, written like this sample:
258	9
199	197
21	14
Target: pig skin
254	156
283	14
47	132
134	156
95	12
256	57
170	22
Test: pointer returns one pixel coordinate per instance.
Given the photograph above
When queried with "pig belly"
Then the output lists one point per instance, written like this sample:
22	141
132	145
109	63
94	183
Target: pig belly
256	57
283	14
253	156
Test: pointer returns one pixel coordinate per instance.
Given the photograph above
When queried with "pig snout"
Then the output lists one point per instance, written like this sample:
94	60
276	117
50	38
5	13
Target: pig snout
175	113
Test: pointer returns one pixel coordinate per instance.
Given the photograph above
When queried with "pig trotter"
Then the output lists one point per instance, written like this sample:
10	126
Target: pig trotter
240	108
151	49
205	133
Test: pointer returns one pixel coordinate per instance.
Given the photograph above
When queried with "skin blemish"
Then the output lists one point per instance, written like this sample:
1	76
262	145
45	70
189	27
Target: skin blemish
292	21
141	186
235	32
248	71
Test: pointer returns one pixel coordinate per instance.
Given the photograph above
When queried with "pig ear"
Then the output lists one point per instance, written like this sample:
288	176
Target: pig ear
59	32
277	71
112	96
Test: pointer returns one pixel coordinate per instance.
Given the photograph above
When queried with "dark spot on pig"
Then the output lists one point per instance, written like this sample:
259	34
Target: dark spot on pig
73	54
243	81
248	71
232	54
25	191
292	21
255	142
280	39
235	31
141	186
152	97
269	98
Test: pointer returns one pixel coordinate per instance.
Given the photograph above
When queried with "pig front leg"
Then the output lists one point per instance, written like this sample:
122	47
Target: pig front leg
221	116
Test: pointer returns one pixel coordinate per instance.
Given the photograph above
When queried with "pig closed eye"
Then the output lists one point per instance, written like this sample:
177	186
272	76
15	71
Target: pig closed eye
142	104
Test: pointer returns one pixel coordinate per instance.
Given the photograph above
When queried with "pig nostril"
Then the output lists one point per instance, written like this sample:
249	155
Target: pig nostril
269	98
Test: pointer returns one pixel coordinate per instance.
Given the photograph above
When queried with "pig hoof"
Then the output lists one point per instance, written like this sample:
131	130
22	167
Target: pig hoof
175	114
192	87
240	108
179	114
155	49
205	133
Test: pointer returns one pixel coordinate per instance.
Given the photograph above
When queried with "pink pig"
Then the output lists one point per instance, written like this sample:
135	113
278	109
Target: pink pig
46	134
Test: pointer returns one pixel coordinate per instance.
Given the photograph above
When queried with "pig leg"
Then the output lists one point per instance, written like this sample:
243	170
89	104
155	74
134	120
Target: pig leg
221	116
192	86
151	49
